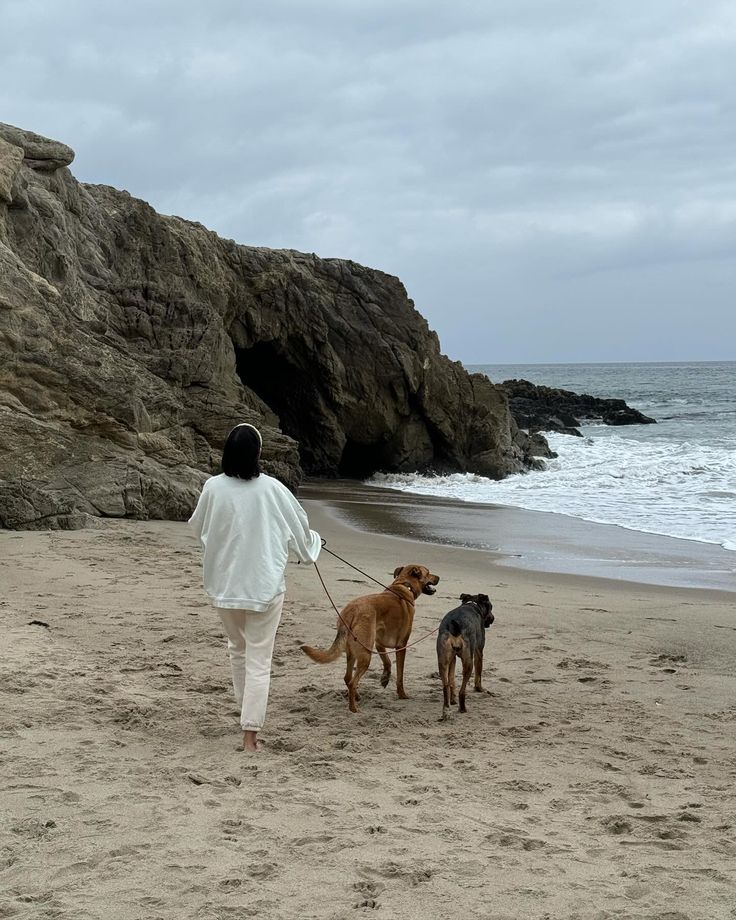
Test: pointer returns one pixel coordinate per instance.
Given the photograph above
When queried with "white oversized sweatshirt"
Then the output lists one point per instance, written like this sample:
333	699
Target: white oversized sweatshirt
247	527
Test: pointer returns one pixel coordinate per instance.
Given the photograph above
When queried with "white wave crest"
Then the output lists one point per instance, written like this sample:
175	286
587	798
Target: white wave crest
684	489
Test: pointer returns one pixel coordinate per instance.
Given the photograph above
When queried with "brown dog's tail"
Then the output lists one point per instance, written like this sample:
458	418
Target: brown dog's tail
323	656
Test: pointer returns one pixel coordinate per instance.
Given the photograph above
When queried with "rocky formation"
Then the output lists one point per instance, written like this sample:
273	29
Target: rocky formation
131	342
539	408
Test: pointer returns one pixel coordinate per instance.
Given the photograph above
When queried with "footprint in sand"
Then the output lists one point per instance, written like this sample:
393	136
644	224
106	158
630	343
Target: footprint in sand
369	892
516	841
617	825
34	828
151	902
230	884
368	889
522	785
262	871
309	841
581	663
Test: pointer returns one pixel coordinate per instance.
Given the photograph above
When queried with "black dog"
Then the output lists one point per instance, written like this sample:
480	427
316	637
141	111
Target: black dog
462	635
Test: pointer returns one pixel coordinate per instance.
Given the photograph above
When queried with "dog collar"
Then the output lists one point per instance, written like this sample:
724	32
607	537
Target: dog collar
403	597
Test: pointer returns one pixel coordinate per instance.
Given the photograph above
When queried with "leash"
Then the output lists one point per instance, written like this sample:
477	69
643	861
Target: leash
324	547
372	651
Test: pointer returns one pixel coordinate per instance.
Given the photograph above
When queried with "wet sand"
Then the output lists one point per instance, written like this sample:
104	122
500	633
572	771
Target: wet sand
533	540
593	779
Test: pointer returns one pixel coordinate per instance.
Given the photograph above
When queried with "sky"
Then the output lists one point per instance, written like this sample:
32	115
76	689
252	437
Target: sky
552	180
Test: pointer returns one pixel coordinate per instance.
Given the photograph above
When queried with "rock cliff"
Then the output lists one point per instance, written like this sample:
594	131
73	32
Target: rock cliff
131	342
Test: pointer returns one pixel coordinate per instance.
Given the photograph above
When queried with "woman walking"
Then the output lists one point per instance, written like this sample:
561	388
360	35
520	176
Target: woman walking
247	522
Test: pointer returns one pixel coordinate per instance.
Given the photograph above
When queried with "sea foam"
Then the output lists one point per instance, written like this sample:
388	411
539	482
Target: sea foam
685	490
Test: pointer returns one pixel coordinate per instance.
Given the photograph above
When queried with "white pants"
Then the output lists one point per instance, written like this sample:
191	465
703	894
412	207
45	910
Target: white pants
250	639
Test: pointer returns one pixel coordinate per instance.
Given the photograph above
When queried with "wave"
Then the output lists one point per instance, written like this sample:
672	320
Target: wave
684	490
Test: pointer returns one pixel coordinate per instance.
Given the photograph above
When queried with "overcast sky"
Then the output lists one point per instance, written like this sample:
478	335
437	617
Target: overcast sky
552	180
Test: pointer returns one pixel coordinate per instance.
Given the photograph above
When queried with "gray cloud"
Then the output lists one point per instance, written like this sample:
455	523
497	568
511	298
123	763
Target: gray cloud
551	180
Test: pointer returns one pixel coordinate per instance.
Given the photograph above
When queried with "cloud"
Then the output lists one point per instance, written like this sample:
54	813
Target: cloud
506	160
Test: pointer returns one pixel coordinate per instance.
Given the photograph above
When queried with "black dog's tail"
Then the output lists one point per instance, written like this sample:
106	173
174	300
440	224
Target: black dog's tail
456	632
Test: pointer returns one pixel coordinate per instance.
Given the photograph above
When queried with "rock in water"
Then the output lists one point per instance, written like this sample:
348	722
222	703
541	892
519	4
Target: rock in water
131	342
541	408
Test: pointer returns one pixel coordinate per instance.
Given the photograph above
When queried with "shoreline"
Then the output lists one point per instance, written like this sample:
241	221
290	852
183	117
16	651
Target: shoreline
536	541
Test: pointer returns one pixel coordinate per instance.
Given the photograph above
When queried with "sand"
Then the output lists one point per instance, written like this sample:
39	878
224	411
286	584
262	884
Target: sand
593	779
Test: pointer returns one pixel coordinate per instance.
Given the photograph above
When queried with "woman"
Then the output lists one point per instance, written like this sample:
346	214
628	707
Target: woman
247	523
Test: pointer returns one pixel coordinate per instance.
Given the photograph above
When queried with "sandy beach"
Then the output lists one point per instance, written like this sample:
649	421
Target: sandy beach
593	779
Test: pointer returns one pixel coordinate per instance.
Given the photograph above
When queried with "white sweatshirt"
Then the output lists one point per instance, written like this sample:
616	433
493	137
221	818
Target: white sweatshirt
247	527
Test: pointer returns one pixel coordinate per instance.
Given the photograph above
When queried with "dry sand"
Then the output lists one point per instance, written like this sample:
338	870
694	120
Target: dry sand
593	779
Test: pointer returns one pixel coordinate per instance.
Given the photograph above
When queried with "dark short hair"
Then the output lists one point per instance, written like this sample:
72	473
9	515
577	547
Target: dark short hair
241	452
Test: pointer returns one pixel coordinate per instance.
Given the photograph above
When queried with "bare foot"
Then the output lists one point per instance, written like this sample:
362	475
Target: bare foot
250	742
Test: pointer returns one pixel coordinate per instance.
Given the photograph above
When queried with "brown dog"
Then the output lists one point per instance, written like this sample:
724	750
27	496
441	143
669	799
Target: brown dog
381	620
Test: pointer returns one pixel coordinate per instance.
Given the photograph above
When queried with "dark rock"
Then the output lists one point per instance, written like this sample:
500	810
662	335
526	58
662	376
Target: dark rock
131	342
541	408
538	446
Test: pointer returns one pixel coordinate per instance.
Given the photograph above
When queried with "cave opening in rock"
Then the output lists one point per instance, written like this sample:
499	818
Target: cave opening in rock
359	461
289	390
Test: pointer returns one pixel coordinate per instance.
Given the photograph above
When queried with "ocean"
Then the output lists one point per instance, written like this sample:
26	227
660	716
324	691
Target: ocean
676	478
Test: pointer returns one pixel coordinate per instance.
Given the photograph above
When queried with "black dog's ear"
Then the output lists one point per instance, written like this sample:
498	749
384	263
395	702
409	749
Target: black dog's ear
484	598
465	598
397	570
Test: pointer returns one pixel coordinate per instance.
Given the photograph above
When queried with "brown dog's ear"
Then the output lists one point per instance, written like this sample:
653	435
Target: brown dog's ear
397	571
416	573
465	598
